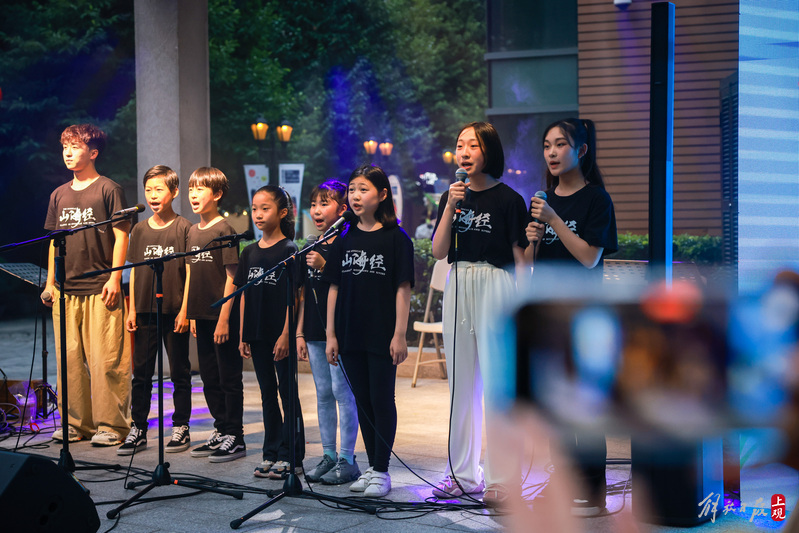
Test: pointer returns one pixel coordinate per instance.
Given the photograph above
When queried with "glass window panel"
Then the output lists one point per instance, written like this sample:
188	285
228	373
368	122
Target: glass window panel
529	82
531	25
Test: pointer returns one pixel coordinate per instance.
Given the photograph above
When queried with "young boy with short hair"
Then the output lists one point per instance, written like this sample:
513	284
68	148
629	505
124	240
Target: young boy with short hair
162	234
210	277
98	350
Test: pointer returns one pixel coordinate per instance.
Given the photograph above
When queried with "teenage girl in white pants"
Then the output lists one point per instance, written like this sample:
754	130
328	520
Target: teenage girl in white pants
486	219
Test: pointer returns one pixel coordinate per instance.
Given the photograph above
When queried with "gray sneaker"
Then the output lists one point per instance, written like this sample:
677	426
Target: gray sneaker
343	472
324	466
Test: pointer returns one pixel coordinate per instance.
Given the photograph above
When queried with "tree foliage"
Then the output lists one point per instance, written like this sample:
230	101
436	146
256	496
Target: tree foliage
342	71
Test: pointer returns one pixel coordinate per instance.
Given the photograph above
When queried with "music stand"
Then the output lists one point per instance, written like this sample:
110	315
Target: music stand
33	274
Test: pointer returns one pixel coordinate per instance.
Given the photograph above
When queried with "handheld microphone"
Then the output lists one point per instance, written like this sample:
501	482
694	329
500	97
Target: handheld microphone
348	216
138	208
461	176
247	235
543	196
47	297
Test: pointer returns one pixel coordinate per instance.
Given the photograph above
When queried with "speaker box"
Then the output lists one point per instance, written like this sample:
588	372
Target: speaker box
36	495
674	478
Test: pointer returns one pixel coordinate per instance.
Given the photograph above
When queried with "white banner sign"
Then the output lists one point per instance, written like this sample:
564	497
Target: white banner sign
291	180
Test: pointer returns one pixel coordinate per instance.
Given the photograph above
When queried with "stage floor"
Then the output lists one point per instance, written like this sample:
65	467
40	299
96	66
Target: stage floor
421	444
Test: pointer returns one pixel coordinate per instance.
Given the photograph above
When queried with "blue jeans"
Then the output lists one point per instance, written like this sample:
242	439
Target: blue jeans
331	387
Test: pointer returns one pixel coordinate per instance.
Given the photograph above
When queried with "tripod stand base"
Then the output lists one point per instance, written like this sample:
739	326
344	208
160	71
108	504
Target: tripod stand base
161	477
293	487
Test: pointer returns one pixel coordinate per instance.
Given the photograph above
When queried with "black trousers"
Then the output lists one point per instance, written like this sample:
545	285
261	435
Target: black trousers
273	378
373	378
145	353
220	370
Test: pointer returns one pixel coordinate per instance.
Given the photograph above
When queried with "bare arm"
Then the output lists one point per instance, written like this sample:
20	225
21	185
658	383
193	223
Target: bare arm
49	285
130	323
331	348
244	347
222	331
302	348
112	290
399	345
586	254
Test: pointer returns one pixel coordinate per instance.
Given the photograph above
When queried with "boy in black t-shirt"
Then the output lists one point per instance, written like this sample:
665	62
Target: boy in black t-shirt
162	234
210	275
98	351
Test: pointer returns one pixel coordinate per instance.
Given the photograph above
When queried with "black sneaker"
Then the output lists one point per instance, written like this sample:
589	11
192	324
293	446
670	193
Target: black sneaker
211	445
134	442
180	439
232	448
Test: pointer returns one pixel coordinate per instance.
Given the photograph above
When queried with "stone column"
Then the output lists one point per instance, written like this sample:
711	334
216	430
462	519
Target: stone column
172	90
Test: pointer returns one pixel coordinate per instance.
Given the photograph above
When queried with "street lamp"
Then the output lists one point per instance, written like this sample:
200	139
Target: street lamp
372	146
260	128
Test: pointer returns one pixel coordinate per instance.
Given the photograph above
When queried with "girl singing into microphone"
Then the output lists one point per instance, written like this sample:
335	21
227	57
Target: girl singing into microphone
328	204
370	271
576	225
480	230
265	328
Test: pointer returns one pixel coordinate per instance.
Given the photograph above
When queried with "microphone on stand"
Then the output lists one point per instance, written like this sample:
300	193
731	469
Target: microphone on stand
247	235
138	208
348	216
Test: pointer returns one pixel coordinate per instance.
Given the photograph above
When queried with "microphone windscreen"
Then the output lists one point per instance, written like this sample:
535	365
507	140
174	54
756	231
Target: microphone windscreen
461	175
47	297
350	216
248	235
139	208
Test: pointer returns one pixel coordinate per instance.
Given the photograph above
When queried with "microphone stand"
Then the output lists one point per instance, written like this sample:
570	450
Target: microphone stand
161	475
292	486
59	238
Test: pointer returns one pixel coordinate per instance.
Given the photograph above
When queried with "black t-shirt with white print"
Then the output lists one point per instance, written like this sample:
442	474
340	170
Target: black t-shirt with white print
315	305
589	213
147	242
264	301
368	268
207	270
91	249
490	223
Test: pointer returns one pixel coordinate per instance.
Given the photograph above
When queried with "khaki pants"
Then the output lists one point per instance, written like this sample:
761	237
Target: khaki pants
98	364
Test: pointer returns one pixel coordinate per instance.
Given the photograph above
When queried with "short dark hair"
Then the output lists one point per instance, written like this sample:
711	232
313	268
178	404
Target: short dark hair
385	213
331	189
209	177
170	177
490	145
89	134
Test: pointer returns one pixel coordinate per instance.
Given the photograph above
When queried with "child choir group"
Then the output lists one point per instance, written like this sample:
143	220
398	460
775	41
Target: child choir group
353	293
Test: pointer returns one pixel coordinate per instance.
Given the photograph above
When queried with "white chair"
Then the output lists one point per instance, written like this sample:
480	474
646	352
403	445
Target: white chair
437	281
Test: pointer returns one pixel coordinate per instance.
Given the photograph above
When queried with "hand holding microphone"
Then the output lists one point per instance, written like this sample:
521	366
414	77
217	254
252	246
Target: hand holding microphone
458	191
535	230
47	298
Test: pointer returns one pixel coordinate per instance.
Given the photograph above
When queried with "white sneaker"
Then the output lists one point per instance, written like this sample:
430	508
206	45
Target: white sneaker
106	438
363	481
379	485
74	436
